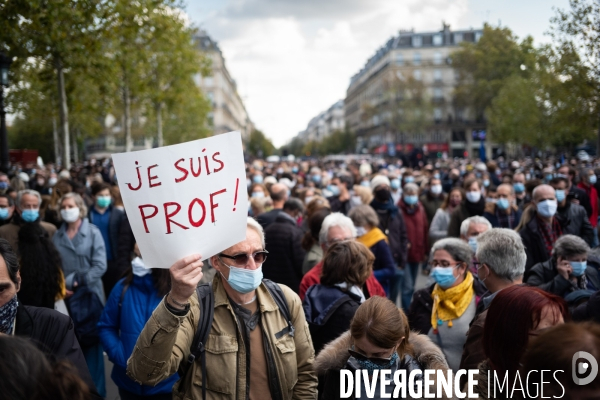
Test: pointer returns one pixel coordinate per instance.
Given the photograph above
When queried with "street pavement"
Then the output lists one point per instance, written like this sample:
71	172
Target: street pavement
112	392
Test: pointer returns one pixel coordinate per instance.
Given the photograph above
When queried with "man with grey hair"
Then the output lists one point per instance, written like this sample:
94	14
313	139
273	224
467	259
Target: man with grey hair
500	262
566	271
543	227
259	344
337	227
27	211
471	228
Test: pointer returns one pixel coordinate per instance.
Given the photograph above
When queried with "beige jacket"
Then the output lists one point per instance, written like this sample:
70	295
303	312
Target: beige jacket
166	339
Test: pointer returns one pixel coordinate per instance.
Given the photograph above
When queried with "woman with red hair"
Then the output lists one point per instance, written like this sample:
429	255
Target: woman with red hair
517	315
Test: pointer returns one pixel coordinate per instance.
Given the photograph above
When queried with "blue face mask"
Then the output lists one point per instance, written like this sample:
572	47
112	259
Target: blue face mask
578	267
547	208
519	187
335	191
316	178
486	182
365	184
258	195
30	215
549	177
503	204
395	184
436	176
443	276
244	280
411	200
295	170
560	195
473	243
371	366
257	179
593	179
4	213
3	185
409	179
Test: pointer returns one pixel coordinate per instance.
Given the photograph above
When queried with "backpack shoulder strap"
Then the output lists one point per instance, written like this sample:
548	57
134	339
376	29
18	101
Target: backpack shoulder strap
206	300
277	294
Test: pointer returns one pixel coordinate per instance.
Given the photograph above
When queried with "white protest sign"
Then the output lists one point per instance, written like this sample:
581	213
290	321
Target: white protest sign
189	198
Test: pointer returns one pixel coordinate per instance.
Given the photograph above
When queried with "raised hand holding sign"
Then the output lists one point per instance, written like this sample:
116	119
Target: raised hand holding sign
185	199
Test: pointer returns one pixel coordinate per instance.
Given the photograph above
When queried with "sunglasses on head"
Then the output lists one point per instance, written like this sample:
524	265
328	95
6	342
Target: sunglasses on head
376	360
242	259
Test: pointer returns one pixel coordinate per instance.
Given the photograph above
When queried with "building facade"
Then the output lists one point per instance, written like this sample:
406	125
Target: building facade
228	111
381	106
325	123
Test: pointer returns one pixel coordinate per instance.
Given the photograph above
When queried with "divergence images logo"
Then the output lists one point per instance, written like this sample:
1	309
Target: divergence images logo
581	367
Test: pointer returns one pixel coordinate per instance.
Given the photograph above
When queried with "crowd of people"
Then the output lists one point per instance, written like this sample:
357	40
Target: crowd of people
326	279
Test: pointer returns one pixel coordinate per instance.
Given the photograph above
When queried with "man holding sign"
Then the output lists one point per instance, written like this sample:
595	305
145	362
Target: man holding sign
250	336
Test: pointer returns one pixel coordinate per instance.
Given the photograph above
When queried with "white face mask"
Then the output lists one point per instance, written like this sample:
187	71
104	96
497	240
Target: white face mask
70	215
138	267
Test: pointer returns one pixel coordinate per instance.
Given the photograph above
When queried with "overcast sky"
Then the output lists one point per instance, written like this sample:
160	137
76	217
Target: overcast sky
294	58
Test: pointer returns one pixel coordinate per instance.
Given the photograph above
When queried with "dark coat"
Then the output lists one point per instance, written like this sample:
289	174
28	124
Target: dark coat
417	229
395	229
577	222
546	277
114	227
328	311
431	204
284	263
534	242
490	215
337	205
589	311
53	333
582	196
457	218
266	219
125	247
421	307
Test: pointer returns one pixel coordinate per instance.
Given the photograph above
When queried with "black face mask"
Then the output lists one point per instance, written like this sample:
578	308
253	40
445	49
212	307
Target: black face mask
382	195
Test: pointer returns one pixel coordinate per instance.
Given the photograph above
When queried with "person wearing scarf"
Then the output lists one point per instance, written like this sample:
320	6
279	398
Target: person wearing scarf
366	221
444	310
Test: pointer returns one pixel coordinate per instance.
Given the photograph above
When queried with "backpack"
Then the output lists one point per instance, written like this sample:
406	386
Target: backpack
85	309
206	298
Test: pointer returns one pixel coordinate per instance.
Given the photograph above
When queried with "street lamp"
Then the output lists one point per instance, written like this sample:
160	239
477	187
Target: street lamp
4	66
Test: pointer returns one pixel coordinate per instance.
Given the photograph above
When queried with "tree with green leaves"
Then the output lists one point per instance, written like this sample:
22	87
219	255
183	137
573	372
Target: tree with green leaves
259	145
579	28
482	68
61	34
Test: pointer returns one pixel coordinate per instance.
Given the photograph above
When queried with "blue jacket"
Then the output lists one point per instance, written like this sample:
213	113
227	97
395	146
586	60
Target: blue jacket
384	268
119	334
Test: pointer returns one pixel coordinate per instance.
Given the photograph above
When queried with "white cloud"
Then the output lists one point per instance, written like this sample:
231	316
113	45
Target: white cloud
293	59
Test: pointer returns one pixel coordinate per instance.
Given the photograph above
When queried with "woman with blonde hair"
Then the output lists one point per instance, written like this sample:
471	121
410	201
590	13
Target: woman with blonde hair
379	339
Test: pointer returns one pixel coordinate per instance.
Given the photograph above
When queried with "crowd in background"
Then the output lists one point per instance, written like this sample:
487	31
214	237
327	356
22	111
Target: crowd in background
509	249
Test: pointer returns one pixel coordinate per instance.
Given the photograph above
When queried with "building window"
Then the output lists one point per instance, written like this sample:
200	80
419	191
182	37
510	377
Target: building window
437	93
478	36
417	74
399	59
437	58
208	81
417	41
437	39
458	37
437	75
210	96
437	114
417	59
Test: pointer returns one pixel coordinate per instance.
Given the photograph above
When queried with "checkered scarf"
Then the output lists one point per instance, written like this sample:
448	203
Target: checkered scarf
550	232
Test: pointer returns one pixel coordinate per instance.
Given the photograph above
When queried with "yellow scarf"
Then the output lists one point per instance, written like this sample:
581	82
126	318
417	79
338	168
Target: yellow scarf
451	303
373	236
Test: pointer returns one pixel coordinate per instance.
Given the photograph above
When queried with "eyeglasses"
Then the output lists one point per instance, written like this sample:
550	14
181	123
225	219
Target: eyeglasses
376	360
443	264
242	259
